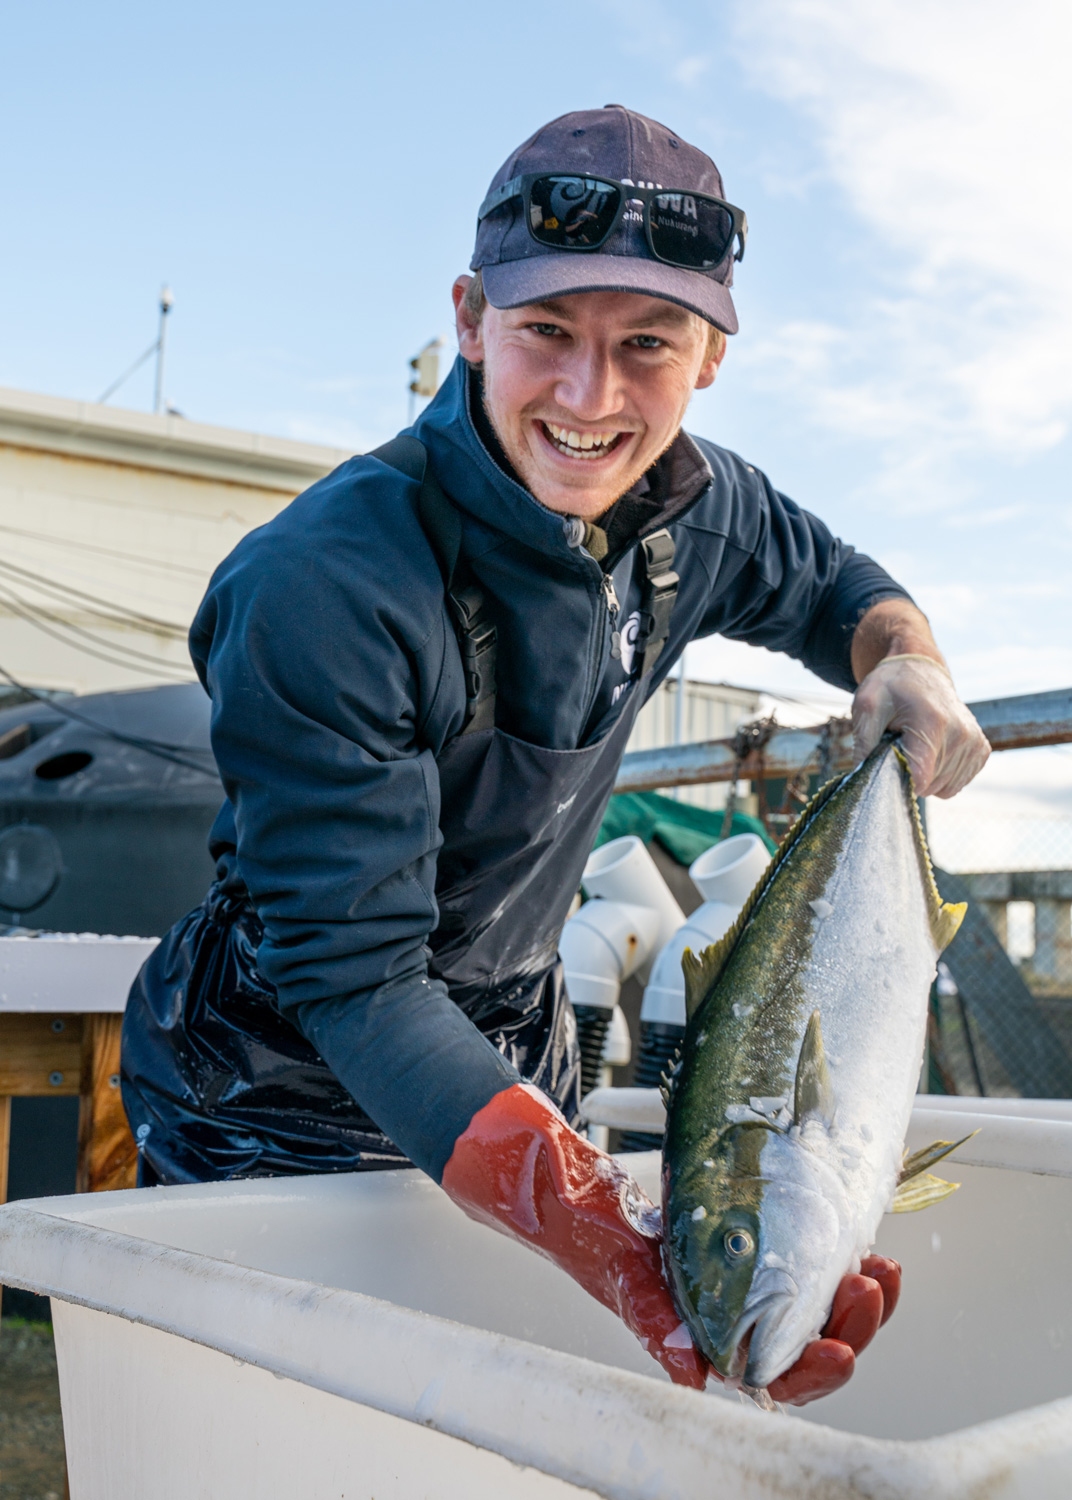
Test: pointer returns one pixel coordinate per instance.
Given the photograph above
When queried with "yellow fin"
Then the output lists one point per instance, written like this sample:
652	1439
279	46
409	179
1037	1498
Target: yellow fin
921	1192
945	924
920	1161
945	917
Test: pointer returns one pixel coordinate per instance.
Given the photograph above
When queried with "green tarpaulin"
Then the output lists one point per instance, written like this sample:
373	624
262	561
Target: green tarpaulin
683	831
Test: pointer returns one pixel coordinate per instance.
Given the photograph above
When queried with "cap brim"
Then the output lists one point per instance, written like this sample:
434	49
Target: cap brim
513	283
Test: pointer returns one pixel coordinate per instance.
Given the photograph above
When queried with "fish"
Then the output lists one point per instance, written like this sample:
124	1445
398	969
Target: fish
789	1100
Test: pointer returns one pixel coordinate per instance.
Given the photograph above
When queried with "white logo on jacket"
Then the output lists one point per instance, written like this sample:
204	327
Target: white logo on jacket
630	631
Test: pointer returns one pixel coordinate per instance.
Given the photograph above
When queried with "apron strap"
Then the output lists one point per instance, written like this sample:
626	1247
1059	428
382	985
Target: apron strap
657	599
473	625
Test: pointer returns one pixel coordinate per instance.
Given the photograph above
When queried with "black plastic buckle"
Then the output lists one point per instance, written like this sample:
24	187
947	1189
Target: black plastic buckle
657	603
477	638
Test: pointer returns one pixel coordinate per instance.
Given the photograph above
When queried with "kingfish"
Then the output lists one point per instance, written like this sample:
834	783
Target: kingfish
789	1101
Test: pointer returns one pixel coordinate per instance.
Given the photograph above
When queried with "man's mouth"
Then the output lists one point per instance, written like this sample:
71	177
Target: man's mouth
582	445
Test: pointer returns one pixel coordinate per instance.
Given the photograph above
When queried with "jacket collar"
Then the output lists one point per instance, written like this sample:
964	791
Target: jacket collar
481	487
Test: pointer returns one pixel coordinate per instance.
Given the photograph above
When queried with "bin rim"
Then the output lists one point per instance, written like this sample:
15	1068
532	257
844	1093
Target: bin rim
618	1434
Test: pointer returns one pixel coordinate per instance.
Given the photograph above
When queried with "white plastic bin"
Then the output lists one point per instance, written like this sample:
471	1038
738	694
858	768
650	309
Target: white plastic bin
358	1337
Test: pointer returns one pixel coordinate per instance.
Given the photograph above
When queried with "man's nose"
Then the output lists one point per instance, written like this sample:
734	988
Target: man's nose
590	385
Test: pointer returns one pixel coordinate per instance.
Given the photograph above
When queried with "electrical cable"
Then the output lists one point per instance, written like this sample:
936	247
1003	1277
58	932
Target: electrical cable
132	557
153	347
118	613
35	615
160	748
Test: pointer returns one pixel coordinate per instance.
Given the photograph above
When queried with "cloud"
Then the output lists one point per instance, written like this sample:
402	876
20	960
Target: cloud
945	126
691	69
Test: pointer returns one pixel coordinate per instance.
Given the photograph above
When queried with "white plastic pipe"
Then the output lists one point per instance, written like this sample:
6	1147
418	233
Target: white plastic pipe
601	945
616	933
1040	1144
618	1047
729	871
623	870
726	874
624	1109
617	1050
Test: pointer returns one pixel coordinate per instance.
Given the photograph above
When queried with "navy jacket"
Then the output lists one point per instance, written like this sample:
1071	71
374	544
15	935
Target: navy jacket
335	680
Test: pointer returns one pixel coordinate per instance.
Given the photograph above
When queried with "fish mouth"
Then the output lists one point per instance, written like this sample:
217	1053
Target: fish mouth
769	1303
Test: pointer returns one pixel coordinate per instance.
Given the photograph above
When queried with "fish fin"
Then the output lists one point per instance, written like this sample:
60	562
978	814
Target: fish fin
921	1192
945	917
700	971
813	1096
945	924
920	1161
667	1076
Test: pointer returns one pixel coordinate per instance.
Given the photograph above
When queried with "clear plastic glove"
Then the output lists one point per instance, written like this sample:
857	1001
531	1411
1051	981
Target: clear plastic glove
519	1168
915	696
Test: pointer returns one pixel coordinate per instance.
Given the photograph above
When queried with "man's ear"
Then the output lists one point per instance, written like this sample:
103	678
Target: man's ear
709	369
470	338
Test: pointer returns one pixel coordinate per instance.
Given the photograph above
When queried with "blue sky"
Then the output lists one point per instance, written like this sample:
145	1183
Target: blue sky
306	178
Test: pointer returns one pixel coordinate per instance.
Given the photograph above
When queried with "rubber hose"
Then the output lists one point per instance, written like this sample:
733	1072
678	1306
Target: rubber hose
658	1042
593	1023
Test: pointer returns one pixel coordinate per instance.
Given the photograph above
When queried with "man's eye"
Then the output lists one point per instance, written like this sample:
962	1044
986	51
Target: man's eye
647	341
548	330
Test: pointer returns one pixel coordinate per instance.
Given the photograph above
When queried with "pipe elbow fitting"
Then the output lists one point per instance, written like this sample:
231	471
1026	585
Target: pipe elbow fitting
726	874
602	945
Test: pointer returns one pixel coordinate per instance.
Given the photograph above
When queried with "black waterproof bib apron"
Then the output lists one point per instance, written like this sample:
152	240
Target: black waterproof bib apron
219	1084
226	1087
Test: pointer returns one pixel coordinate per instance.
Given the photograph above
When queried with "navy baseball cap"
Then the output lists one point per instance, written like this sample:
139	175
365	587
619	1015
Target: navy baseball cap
623	147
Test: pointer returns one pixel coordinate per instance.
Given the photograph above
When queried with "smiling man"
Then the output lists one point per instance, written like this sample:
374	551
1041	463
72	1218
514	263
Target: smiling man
423	677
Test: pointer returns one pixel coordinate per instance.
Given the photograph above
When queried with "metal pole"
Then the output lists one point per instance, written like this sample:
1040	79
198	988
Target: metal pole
679	711
1008	723
166	301
679	701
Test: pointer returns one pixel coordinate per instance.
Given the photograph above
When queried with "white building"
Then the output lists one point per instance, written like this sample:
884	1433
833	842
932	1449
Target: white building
112	521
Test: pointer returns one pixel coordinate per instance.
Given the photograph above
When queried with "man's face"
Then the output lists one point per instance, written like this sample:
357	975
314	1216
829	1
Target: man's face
586	391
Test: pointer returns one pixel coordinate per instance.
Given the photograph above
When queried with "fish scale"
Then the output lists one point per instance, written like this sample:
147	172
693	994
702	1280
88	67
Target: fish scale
788	1103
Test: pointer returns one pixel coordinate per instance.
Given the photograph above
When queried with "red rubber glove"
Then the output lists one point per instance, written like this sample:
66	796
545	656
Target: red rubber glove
520	1169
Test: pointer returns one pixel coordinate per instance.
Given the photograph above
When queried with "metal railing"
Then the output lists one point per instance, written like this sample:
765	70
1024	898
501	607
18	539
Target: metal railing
1008	723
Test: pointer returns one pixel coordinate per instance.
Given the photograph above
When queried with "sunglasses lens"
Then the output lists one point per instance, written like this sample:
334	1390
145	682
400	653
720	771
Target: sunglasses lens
572	212
690	231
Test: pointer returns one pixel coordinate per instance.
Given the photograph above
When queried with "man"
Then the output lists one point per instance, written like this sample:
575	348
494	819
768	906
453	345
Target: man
423	677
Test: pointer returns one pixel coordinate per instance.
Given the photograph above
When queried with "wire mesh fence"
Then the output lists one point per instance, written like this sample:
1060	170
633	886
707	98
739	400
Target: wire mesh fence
1003	1004
1001	1018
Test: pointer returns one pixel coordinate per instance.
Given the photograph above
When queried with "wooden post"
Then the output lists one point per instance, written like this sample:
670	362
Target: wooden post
5	1142
107	1155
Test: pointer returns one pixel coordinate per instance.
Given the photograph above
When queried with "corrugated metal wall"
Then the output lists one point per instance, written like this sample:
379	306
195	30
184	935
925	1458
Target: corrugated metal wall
711	711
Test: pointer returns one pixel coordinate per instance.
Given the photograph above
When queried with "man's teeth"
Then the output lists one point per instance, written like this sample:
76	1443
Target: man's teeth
580	444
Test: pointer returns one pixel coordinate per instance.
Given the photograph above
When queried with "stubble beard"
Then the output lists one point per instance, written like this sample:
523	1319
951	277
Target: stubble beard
524	467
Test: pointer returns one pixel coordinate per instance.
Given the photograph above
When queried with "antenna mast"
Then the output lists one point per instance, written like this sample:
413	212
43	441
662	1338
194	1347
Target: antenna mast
166	302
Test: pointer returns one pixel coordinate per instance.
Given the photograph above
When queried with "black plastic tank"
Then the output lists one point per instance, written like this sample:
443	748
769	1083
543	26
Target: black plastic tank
106	802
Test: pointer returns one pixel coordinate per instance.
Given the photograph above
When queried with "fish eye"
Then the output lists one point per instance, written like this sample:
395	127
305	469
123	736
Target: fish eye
738	1242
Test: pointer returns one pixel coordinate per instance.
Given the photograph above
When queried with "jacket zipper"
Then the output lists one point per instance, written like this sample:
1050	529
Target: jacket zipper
596	669
613	610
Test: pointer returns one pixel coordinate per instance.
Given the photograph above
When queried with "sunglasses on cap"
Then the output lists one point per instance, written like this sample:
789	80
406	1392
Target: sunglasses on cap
568	211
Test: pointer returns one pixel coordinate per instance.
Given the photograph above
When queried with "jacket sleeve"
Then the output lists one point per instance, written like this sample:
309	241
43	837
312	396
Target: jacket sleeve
320	667
782	580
